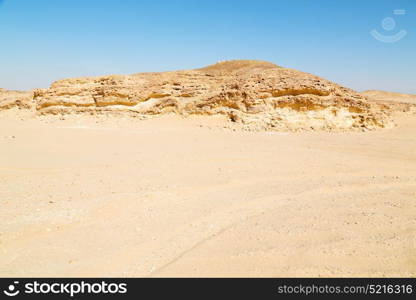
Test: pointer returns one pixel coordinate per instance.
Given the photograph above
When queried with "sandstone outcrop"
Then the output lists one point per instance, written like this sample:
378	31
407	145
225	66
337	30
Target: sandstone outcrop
10	99
258	95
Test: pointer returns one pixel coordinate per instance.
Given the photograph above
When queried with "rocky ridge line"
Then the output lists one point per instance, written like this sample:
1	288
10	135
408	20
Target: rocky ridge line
257	95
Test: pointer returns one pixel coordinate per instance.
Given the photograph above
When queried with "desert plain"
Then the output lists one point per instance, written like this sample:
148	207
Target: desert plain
233	189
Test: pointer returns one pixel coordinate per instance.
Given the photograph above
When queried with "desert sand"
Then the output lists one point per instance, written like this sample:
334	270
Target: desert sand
390	96
86	192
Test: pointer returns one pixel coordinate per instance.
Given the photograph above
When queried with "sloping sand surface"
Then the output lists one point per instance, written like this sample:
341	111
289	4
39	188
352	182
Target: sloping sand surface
87	196
390	96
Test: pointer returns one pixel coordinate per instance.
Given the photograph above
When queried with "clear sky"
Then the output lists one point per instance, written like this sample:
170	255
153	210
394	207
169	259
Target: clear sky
46	40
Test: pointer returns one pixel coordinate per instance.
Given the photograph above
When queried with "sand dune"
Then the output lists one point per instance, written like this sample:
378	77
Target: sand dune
390	96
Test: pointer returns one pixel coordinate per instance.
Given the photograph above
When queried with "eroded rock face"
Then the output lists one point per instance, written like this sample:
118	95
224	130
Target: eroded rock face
10	99
258	95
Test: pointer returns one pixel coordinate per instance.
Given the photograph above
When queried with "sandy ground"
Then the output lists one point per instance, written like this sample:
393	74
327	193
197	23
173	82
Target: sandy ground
390	96
167	197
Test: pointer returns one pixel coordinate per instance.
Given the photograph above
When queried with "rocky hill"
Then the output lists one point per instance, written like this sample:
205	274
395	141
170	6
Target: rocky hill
258	95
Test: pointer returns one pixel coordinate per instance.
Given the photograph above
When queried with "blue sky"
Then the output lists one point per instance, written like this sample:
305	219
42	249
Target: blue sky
46	40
